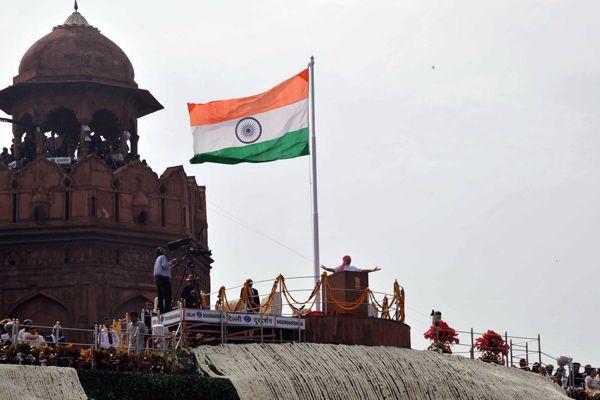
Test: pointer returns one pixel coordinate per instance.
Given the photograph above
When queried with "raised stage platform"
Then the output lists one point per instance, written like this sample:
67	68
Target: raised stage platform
197	326
367	331
215	317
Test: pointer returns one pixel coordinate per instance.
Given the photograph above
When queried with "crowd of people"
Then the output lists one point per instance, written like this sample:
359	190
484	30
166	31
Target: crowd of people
28	333
135	336
580	385
6	157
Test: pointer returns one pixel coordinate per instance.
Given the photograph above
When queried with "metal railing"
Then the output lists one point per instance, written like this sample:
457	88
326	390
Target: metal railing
525	353
289	307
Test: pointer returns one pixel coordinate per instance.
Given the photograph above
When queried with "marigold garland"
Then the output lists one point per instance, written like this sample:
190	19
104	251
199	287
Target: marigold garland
384	308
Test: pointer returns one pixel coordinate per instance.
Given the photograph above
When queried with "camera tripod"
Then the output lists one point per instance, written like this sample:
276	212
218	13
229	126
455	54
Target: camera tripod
189	268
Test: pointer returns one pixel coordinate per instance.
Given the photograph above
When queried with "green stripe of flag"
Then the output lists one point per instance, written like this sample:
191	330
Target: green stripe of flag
292	144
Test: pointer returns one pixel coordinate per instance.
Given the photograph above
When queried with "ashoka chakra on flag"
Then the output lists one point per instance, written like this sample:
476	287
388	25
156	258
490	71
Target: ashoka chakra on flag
248	130
270	126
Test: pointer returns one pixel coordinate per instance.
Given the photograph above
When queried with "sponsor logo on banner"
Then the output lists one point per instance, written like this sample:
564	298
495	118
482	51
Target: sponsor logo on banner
169	317
215	317
288	323
208	316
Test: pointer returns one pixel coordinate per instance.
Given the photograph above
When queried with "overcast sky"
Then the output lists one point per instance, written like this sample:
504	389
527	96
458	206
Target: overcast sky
457	145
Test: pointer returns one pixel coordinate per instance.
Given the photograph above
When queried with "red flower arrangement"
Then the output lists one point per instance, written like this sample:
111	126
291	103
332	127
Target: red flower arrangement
442	336
492	347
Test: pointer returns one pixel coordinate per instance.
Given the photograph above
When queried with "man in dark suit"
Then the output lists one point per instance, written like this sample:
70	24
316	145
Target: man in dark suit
253	301
188	294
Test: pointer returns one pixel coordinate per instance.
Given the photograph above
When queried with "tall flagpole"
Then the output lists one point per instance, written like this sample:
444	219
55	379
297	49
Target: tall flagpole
313	158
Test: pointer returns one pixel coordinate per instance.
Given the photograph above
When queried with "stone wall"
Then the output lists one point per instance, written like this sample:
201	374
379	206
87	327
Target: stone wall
324	371
39	383
78	244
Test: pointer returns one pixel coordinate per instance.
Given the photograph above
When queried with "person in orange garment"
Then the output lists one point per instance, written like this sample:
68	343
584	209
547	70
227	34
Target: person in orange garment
347	266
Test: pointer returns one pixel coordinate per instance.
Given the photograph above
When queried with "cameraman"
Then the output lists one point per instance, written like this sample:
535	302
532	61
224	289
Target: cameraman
188	294
162	276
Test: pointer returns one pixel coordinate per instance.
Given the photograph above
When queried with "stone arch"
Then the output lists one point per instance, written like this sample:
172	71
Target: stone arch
42	309
107	136
141	217
133	303
134	137
40	213
64	129
106	123
140	208
24	140
26	123
18	130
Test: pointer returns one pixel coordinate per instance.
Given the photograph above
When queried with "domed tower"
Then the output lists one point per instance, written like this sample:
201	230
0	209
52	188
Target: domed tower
72	82
80	214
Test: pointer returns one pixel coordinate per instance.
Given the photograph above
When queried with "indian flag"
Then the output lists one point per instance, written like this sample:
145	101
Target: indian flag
269	126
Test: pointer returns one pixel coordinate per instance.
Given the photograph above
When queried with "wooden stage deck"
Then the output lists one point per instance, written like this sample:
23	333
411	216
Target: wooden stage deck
213	327
368	331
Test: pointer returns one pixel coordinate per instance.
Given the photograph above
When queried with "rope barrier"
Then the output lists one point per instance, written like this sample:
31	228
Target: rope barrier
384	307
285	290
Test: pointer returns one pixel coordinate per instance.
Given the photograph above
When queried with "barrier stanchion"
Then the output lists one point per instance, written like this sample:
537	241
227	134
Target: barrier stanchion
184	337
527	353
325	293
512	364
56	332
506	341
300	323
539	350
261	328
281	289
16	331
225	330
571	378
94	345
472	346
96	336
222	322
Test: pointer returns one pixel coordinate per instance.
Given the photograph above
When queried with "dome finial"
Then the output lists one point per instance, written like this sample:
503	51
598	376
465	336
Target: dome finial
76	18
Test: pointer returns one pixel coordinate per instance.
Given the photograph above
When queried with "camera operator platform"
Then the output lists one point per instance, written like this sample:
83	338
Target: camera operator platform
184	267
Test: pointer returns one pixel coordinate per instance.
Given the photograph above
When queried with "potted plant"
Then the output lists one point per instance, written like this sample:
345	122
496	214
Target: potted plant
442	336
492	347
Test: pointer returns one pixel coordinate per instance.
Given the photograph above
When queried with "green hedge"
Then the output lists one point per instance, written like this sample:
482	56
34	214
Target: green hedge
111	385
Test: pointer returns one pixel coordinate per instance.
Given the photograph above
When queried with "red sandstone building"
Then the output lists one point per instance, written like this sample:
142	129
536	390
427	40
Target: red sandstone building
80	214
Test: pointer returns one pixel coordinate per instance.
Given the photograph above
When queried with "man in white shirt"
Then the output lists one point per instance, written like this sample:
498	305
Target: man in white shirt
592	383
137	334
346	266
108	337
8	332
34	338
162	277
24	330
